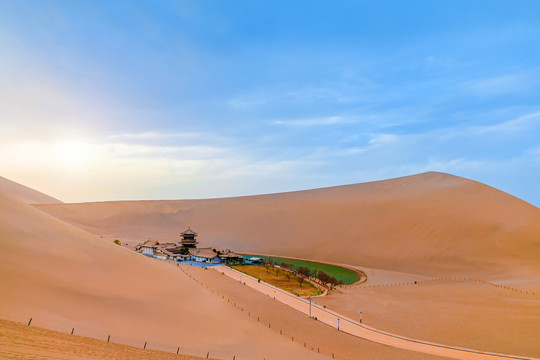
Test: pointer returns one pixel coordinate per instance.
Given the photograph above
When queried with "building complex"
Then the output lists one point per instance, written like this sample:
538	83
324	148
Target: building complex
187	250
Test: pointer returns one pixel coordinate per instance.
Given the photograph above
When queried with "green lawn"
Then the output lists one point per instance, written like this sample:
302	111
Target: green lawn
348	276
280	278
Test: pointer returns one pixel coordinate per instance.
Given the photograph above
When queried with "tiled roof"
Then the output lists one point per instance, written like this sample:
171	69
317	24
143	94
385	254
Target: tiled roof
149	243
203	252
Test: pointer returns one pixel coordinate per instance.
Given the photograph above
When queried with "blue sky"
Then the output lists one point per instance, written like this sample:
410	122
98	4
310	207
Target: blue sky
104	100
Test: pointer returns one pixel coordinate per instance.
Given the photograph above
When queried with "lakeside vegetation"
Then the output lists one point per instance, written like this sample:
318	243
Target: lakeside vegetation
348	276
281	278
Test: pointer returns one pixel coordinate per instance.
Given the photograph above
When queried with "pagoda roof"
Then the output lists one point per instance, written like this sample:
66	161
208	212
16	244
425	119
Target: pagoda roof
188	232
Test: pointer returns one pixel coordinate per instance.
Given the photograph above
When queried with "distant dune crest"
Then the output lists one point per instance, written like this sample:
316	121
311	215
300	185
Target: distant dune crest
431	223
25	194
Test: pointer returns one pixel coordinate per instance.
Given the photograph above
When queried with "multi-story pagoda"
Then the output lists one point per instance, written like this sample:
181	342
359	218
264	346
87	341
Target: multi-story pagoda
188	238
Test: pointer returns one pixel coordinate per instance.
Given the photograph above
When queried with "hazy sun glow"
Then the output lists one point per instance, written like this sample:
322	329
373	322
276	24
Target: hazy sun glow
72	154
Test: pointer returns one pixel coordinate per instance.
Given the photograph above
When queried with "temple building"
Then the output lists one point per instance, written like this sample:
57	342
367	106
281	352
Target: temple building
187	250
206	255
148	247
188	238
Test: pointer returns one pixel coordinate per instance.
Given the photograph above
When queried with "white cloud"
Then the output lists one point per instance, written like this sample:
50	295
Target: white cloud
245	103
523	123
176	152
503	84
455	165
154	135
383	139
317	121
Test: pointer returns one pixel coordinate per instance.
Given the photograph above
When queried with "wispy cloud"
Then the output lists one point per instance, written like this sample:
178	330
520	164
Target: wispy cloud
153	135
522	123
455	165
246	103
316	121
503	84
173	152
383	139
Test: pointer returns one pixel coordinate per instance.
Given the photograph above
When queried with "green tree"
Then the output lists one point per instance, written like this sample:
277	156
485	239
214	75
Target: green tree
303	270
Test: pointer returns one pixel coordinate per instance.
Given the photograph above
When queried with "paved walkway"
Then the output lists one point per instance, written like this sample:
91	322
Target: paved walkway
355	328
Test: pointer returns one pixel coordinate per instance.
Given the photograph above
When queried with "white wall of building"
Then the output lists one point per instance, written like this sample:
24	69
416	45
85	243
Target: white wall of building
147	250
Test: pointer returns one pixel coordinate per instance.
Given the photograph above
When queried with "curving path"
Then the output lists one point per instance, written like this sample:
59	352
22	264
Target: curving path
353	327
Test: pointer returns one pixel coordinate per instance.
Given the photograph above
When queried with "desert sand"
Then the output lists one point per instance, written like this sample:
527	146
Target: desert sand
61	268
64	278
431	224
460	313
292	324
352	325
24	194
21	342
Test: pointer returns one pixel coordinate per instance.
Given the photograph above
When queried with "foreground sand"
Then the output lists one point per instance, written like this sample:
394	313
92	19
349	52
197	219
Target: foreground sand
293	325
21	342
461	313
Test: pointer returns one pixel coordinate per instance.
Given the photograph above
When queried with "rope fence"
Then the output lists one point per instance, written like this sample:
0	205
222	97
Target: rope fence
454	279
264	322
108	337
242	308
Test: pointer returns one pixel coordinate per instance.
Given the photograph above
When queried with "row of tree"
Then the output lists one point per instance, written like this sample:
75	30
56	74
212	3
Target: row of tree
304	272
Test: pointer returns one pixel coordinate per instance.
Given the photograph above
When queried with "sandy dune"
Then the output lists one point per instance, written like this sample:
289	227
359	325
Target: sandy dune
292	324
461	313
64	277
24	194
430	224
21	342
399	230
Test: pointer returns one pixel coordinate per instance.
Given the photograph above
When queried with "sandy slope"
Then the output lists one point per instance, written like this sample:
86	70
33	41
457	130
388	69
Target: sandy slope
461	313
64	277
21	342
293	324
25	194
432	224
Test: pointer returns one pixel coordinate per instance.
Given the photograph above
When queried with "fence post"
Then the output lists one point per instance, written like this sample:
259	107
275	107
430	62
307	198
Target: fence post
72	330
144	345
109	338
177	350
208	353
30	321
